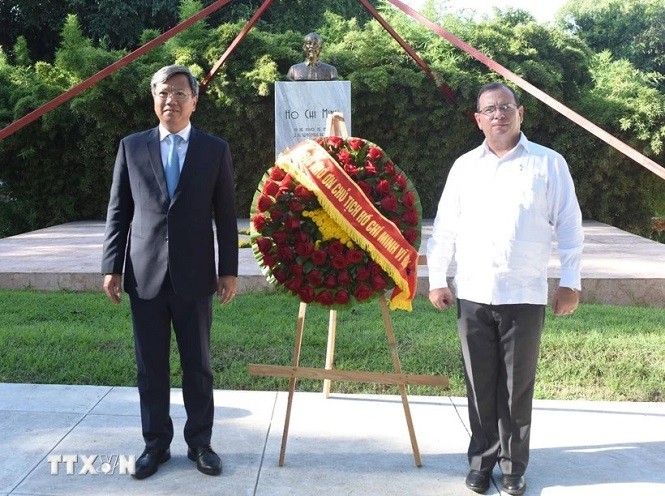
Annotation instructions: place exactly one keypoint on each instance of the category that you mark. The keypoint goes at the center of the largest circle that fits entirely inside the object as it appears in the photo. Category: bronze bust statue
(312, 69)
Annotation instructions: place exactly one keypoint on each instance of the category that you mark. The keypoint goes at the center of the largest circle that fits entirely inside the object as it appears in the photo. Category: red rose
(374, 153)
(269, 260)
(389, 203)
(367, 189)
(370, 168)
(335, 248)
(259, 222)
(354, 256)
(301, 237)
(287, 182)
(319, 257)
(344, 157)
(339, 262)
(280, 276)
(389, 168)
(295, 206)
(350, 169)
(400, 180)
(363, 292)
(363, 273)
(292, 223)
(264, 203)
(306, 294)
(342, 297)
(374, 268)
(325, 298)
(264, 244)
(383, 187)
(409, 199)
(356, 143)
(343, 278)
(280, 237)
(378, 282)
(270, 188)
(304, 249)
(295, 270)
(411, 217)
(277, 174)
(335, 141)
(330, 282)
(293, 284)
(285, 253)
(315, 278)
(276, 215)
(284, 191)
(303, 193)
(410, 235)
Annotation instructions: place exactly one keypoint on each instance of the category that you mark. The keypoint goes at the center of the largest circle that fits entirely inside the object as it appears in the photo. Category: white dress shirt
(497, 217)
(165, 143)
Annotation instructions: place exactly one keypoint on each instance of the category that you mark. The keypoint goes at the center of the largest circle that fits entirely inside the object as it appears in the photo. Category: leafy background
(604, 59)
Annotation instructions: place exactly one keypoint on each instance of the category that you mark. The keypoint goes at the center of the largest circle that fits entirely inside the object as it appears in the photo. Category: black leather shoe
(206, 460)
(513, 484)
(478, 481)
(149, 461)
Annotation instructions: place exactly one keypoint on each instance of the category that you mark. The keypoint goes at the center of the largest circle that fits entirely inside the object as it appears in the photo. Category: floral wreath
(300, 248)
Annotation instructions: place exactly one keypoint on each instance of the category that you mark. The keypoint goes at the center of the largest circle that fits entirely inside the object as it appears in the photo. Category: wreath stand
(336, 126)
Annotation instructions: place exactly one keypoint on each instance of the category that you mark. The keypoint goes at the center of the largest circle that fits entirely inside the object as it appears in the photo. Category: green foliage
(58, 168)
(612, 188)
(21, 52)
(630, 29)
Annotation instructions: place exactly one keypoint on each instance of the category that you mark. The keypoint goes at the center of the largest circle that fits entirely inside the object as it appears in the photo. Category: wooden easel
(336, 127)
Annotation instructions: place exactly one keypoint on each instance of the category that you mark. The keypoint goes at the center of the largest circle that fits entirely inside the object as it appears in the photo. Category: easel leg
(330, 349)
(292, 381)
(397, 366)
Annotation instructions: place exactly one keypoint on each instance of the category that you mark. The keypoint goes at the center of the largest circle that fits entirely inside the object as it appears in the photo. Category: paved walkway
(343, 445)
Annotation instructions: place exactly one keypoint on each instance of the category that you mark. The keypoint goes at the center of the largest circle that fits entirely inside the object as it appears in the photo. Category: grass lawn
(600, 353)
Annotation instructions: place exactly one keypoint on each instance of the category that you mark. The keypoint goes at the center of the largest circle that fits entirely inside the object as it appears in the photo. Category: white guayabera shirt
(497, 218)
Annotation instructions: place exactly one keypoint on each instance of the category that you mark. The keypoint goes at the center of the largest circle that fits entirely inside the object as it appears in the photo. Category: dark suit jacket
(148, 234)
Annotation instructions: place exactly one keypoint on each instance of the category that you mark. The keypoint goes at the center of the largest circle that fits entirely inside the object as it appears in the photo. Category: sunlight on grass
(601, 353)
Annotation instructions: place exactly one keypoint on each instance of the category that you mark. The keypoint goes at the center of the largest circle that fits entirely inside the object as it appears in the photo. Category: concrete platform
(343, 445)
(619, 268)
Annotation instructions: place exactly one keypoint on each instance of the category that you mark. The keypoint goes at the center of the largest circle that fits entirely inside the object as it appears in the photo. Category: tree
(38, 22)
(119, 25)
(630, 29)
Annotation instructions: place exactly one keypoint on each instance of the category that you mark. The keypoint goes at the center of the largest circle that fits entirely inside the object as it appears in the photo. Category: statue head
(312, 69)
(312, 46)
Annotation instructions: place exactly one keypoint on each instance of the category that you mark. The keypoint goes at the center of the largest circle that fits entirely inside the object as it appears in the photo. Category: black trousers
(192, 321)
(500, 346)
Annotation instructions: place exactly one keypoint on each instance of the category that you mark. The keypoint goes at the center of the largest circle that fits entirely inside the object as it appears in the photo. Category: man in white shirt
(500, 207)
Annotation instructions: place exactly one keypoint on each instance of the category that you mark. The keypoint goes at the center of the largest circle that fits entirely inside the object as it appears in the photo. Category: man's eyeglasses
(179, 96)
(504, 109)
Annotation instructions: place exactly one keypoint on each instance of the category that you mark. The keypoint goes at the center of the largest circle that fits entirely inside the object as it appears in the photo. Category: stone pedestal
(302, 107)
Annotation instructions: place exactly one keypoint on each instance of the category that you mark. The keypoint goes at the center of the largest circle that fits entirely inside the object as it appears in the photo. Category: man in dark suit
(159, 229)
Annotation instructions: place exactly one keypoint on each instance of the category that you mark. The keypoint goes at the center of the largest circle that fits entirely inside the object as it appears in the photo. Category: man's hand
(226, 288)
(441, 298)
(565, 301)
(113, 287)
